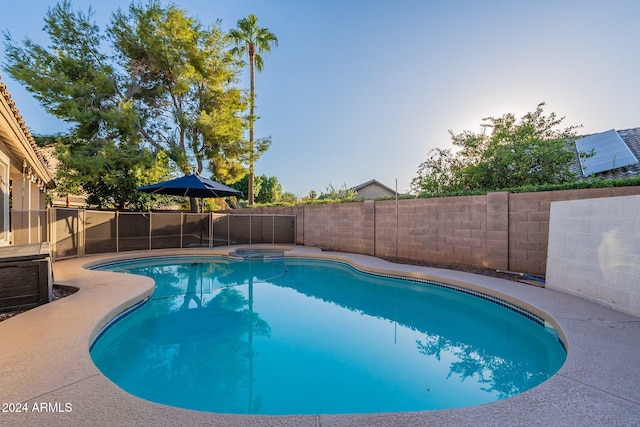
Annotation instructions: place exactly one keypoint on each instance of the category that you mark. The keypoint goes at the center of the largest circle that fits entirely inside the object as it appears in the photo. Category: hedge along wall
(502, 231)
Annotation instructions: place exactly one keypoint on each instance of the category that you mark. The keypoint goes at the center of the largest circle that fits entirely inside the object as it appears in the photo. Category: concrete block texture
(594, 250)
(504, 230)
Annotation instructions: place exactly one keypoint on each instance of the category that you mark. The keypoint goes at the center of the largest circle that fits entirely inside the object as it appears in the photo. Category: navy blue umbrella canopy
(191, 186)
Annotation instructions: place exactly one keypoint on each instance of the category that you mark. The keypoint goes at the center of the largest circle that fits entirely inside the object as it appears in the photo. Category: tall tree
(168, 86)
(252, 40)
(507, 153)
(107, 172)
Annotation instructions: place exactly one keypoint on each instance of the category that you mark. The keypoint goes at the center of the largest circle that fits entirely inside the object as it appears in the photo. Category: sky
(363, 89)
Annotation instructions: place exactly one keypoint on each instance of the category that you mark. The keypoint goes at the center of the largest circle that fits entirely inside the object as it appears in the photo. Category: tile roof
(42, 167)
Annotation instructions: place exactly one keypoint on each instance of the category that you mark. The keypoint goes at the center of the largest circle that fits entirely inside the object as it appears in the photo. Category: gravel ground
(56, 294)
(460, 267)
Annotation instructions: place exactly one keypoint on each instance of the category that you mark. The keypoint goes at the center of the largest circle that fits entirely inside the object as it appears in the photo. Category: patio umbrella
(191, 186)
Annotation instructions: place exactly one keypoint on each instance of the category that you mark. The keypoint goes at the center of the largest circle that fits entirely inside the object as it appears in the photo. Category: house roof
(631, 138)
(16, 135)
(373, 182)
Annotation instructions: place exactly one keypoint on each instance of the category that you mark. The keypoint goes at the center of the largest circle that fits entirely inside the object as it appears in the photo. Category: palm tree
(253, 40)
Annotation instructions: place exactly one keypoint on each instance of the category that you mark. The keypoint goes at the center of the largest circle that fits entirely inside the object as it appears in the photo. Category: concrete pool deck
(47, 373)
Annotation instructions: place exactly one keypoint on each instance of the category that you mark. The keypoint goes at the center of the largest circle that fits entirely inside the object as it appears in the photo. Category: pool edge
(591, 387)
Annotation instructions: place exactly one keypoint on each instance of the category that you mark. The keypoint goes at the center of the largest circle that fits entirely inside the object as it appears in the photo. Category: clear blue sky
(363, 89)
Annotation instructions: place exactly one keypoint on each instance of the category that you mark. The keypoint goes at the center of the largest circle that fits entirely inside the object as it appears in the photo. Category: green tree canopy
(243, 185)
(166, 85)
(506, 153)
(267, 189)
(109, 173)
(270, 190)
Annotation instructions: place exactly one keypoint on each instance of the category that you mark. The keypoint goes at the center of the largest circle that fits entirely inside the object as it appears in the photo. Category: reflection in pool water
(297, 336)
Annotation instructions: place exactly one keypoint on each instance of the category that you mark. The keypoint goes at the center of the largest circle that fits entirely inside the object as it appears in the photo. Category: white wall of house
(594, 251)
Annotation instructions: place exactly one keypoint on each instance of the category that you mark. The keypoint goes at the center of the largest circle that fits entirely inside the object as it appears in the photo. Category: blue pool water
(301, 336)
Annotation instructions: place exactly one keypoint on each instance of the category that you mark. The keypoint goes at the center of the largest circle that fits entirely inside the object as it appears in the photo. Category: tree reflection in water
(467, 330)
(195, 343)
(505, 377)
(163, 340)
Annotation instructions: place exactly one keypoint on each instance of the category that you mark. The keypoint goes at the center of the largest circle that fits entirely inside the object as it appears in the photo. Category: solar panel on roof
(610, 150)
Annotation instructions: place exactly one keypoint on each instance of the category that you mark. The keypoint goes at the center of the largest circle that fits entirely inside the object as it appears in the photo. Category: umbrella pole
(201, 224)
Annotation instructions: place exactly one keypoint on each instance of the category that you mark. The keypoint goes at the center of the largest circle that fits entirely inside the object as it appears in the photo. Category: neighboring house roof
(373, 189)
(18, 139)
(69, 202)
(631, 140)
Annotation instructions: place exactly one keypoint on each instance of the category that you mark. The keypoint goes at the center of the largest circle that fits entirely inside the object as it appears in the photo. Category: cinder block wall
(594, 251)
(439, 230)
(503, 231)
(345, 227)
(529, 223)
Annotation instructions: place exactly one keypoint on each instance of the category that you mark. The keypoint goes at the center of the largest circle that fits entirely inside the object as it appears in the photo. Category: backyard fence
(79, 232)
(501, 230)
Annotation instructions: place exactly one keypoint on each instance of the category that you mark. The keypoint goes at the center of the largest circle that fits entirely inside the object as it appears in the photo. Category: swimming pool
(302, 336)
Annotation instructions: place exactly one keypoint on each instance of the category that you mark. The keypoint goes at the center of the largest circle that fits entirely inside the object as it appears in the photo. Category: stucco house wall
(23, 177)
(373, 190)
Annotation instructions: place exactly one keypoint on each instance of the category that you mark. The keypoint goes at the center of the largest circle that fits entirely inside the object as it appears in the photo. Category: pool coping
(45, 364)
